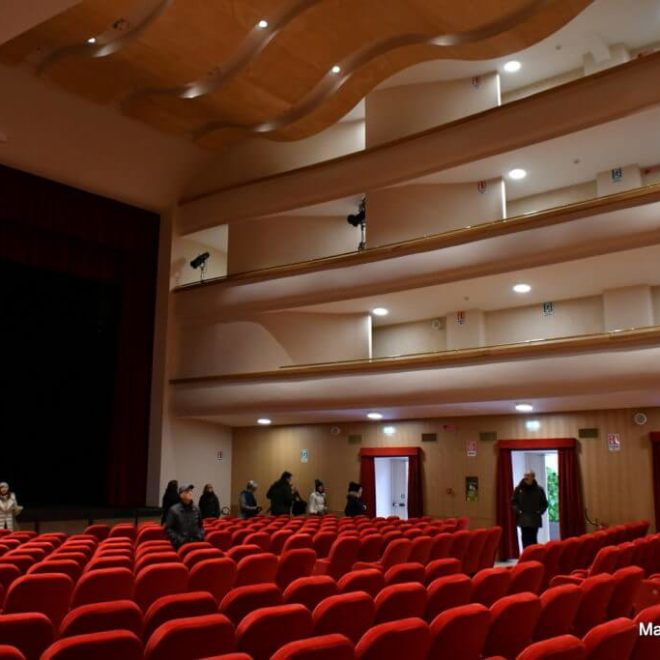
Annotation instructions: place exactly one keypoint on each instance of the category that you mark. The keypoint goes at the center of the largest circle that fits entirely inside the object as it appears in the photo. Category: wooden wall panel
(617, 486)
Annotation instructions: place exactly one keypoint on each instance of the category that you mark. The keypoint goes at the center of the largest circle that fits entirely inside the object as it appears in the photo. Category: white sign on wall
(304, 455)
(613, 442)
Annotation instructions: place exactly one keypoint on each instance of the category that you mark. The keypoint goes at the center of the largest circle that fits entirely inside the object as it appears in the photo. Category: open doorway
(544, 463)
(391, 475)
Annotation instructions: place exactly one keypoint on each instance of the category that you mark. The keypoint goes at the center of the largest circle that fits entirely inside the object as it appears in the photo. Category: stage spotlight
(200, 262)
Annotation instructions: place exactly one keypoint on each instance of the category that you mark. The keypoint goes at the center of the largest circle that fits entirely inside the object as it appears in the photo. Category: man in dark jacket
(354, 504)
(529, 504)
(184, 520)
(280, 495)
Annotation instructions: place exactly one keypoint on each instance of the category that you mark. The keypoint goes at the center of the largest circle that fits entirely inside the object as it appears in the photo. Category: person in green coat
(280, 495)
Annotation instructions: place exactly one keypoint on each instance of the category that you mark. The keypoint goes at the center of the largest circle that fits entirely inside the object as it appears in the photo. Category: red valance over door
(368, 476)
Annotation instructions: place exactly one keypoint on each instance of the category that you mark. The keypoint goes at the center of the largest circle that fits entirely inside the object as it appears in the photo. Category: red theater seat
(178, 606)
(294, 564)
(513, 619)
(627, 582)
(219, 539)
(188, 548)
(155, 558)
(238, 552)
(527, 576)
(489, 585)
(103, 585)
(111, 645)
(613, 640)
(474, 550)
(420, 550)
(407, 638)
(647, 646)
(447, 592)
(12, 653)
(191, 638)
(100, 617)
(242, 600)
(564, 647)
(341, 558)
(263, 632)
(31, 633)
(406, 572)
(460, 633)
(326, 647)
(255, 569)
(193, 558)
(217, 576)
(370, 580)
(350, 614)
(159, 580)
(596, 595)
(559, 606)
(310, 591)
(400, 601)
(49, 594)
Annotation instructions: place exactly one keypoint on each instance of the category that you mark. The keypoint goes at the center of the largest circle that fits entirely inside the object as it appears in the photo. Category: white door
(399, 487)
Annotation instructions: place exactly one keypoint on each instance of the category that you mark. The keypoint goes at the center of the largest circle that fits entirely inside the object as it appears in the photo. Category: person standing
(184, 520)
(354, 504)
(280, 495)
(209, 504)
(9, 508)
(247, 500)
(317, 502)
(170, 498)
(529, 504)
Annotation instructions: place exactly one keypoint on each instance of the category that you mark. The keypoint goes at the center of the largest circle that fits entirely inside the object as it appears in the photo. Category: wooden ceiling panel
(273, 82)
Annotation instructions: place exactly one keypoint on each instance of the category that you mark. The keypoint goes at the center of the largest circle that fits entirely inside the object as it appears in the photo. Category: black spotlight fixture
(359, 219)
(200, 262)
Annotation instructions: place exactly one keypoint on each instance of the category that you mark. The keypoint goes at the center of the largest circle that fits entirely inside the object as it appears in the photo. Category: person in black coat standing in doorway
(529, 504)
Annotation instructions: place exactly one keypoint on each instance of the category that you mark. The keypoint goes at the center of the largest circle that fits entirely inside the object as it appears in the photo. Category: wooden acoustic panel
(206, 70)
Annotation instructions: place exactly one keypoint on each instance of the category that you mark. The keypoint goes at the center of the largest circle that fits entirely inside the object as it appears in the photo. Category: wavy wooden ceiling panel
(204, 69)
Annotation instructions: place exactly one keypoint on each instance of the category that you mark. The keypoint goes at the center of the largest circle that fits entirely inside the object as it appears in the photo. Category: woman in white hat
(9, 508)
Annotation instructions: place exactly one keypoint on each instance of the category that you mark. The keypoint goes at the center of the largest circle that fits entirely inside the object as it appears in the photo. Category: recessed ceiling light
(336, 69)
(524, 407)
(264, 421)
(389, 430)
(521, 287)
(262, 24)
(374, 415)
(91, 40)
(512, 66)
(532, 425)
(380, 311)
(517, 173)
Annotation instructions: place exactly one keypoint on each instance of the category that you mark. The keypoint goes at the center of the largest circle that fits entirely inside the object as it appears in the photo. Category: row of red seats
(336, 629)
(578, 552)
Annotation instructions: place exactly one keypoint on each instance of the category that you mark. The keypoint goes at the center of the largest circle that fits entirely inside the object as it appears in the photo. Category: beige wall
(570, 317)
(409, 338)
(259, 157)
(551, 199)
(628, 307)
(413, 211)
(394, 112)
(617, 486)
(288, 239)
(269, 341)
(190, 454)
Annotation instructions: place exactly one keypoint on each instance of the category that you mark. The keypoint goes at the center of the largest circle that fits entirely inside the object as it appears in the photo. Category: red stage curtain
(655, 443)
(571, 505)
(368, 481)
(415, 493)
(505, 516)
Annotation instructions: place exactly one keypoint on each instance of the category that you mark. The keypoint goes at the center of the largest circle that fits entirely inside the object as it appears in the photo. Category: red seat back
(294, 564)
(370, 580)
(400, 601)
(325, 647)
(255, 569)
(310, 591)
(564, 647)
(513, 619)
(611, 640)
(460, 632)
(475, 546)
(647, 646)
(191, 637)
(420, 550)
(108, 645)
(406, 572)
(350, 614)
(263, 632)
(558, 608)
(447, 592)
(596, 594)
(99, 617)
(177, 606)
(159, 580)
(397, 552)
(31, 633)
(103, 585)
(370, 547)
(242, 600)
(627, 582)
(441, 567)
(407, 638)
(217, 576)
(47, 593)
(489, 585)
(527, 576)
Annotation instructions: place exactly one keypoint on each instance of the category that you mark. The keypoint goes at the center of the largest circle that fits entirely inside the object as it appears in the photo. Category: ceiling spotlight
(262, 24)
(336, 69)
(512, 66)
(380, 311)
(532, 425)
(91, 40)
(521, 287)
(524, 407)
(389, 430)
(516, 174)
(374, 415)
(264, 421)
